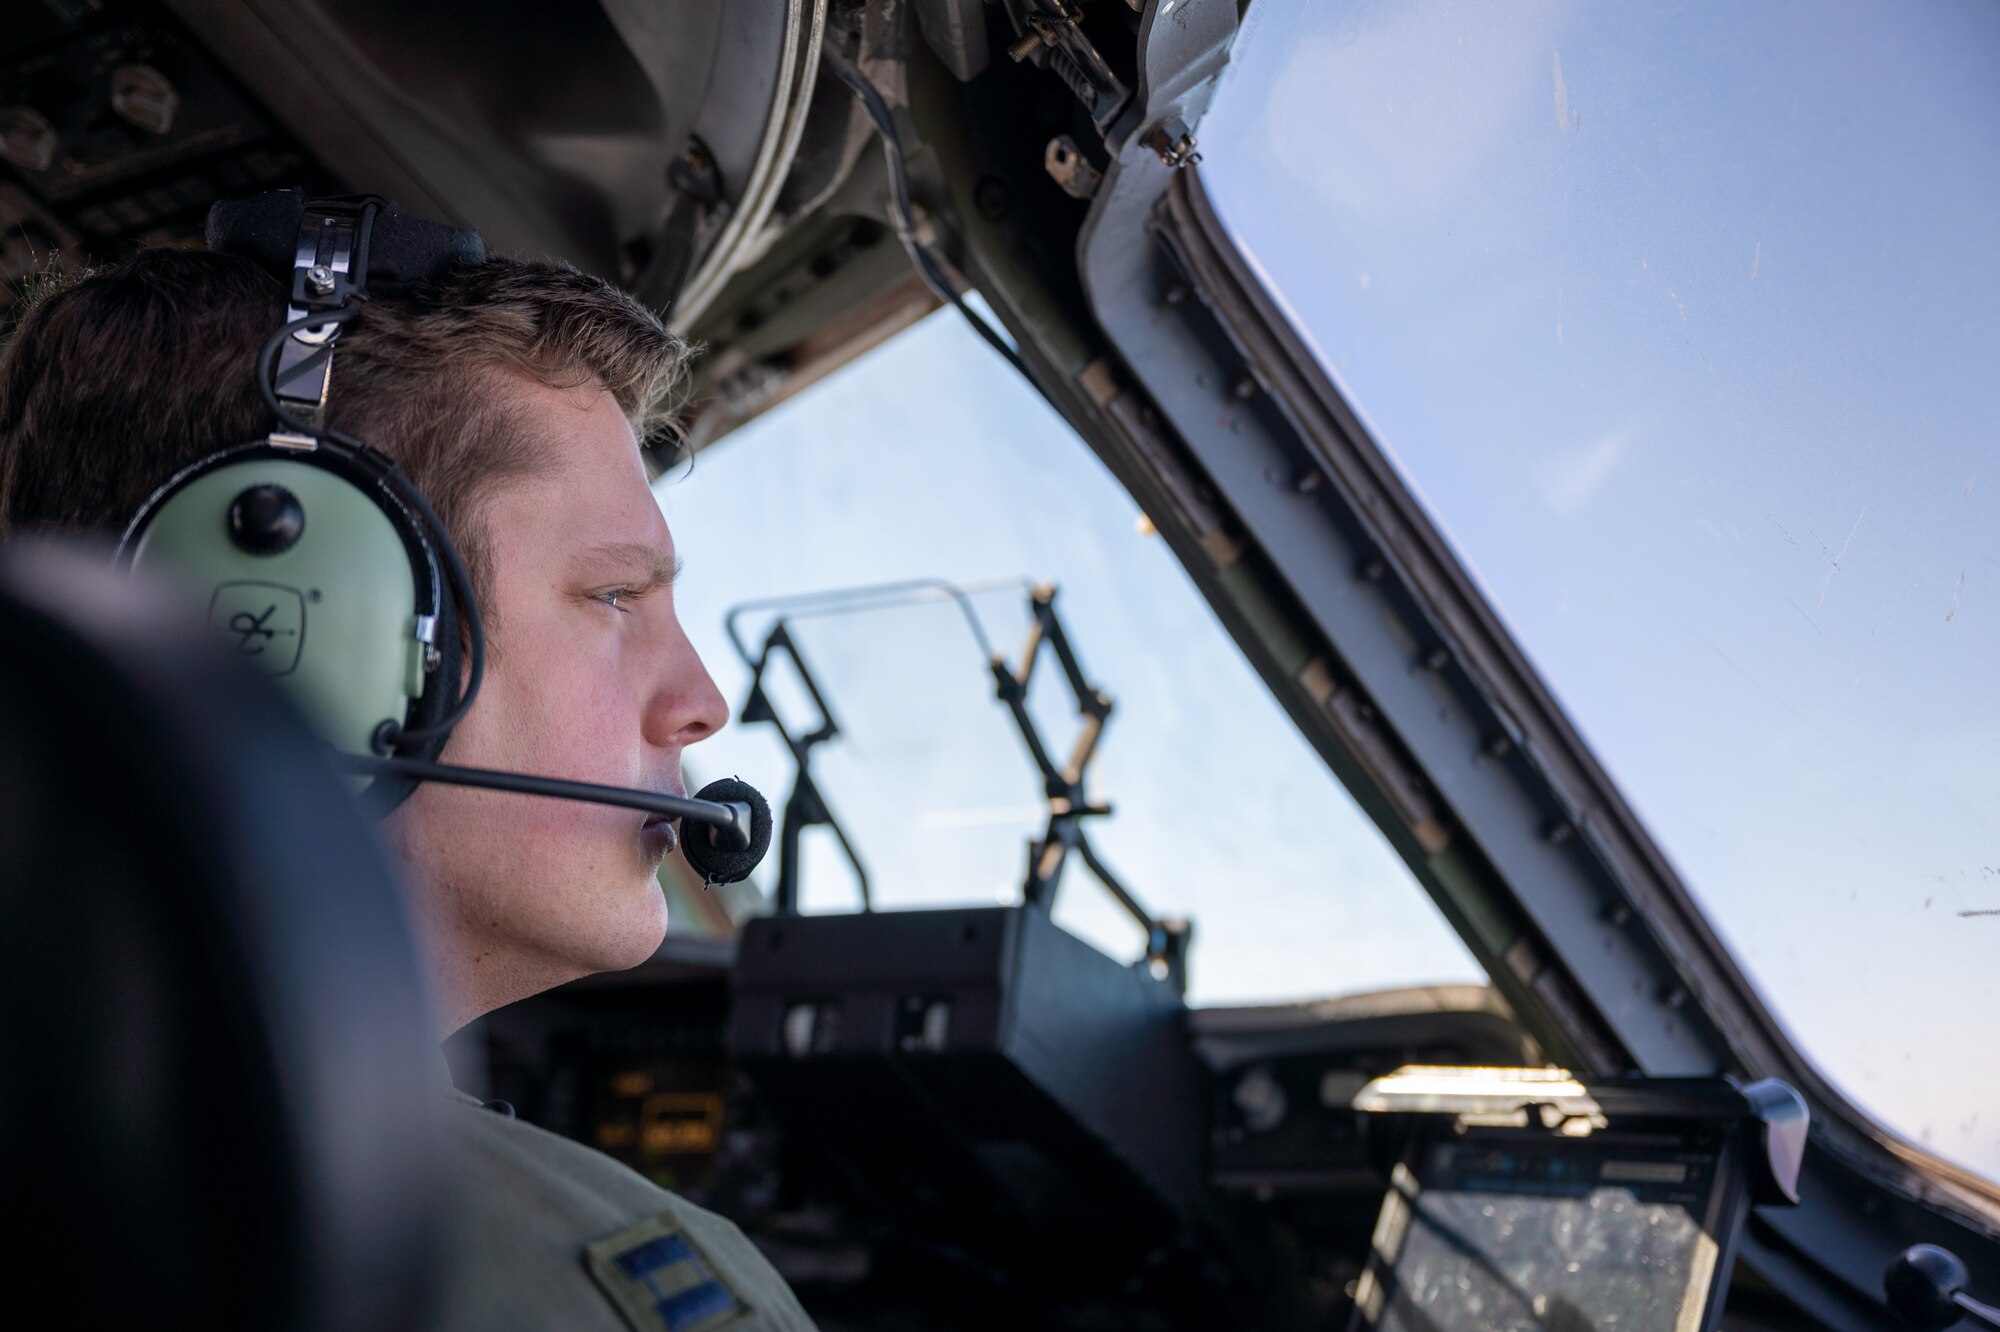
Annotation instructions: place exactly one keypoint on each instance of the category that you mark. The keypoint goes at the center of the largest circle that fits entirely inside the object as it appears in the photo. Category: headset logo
(265, 621)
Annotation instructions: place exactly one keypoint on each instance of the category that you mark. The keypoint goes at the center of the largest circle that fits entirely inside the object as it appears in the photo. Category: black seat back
(216, 1094)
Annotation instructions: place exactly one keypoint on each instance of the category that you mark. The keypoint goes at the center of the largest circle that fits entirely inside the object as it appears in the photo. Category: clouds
(1426, 99)
(1567, 480)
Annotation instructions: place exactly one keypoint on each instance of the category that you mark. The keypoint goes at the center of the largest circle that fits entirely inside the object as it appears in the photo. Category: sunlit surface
(929, 459)
(1683, 322)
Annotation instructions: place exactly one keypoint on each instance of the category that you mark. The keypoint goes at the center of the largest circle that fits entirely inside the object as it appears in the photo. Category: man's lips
(657, 835)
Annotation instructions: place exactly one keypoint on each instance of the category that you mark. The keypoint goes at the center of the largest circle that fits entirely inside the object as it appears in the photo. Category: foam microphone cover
(698, 839)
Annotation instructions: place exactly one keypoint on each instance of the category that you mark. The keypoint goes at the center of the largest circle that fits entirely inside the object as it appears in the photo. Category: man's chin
(643, 937)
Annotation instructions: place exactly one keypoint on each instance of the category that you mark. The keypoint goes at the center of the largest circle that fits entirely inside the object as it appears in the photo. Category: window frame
(1163, 357)
(1197, 394)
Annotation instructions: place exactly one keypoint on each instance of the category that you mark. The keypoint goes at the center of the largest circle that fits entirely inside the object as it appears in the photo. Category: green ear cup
(327, 605)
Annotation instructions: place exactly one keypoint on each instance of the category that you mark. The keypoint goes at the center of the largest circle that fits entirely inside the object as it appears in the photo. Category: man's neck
(472, 971)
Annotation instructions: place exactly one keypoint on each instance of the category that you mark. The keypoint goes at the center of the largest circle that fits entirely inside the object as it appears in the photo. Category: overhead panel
(553, 129)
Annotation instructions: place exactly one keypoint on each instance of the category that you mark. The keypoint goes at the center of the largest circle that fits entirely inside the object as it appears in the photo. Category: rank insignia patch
(660, 1281)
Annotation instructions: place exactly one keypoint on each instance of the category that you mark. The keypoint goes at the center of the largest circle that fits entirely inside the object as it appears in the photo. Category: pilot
(513, 395)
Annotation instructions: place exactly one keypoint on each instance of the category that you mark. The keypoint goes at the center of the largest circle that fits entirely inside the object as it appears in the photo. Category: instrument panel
(969, 1118)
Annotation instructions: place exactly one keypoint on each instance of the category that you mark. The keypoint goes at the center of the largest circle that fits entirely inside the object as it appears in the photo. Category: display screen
(1542, 1237)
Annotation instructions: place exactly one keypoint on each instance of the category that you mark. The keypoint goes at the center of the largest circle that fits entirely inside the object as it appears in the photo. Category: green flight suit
(552, 1235)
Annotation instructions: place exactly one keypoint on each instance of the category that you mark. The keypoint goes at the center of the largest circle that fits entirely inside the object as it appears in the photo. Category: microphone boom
(732, 823)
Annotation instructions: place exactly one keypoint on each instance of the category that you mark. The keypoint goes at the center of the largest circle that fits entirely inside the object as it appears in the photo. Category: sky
(1682, 322)
(929, 458)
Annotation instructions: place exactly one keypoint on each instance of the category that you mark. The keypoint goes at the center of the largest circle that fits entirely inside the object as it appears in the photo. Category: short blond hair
(113, 382)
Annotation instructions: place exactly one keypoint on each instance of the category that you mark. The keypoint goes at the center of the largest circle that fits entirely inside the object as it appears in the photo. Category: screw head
(319, 279)
(993, 199)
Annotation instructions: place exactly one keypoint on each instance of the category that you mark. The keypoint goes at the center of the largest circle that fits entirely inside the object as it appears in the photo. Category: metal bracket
(328, 273)
(1051, 35)
(1167, 940)
(1173, 142)
(805, 807)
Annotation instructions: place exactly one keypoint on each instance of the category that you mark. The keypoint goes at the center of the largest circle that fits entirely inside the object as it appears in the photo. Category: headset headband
(332, 249)
(399, 251)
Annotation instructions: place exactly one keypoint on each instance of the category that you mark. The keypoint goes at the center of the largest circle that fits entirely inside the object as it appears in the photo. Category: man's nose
(686, 705)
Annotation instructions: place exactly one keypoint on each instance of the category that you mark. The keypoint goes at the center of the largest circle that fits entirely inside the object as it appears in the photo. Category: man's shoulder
(512, 1157)
(553, 1233)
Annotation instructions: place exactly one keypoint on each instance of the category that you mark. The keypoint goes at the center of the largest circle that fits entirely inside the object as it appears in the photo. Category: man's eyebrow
(659, 570)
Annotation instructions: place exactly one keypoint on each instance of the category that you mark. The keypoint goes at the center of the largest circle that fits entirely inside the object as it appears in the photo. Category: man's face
(589, 677)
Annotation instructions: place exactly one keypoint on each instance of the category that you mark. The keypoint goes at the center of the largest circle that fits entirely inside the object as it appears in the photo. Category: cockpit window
(929, 458)
(1683, 323)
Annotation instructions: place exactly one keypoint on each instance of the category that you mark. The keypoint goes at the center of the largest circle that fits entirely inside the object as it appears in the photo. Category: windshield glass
(929, 458)
(1683, 324)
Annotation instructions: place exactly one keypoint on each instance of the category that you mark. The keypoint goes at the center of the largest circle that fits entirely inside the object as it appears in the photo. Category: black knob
(266, 520)
(1923, 1286)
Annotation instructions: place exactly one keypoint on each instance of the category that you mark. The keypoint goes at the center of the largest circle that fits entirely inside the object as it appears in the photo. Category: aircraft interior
(1229, 863)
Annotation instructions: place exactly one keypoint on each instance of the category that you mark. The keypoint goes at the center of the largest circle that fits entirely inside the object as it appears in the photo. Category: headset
(329, 570)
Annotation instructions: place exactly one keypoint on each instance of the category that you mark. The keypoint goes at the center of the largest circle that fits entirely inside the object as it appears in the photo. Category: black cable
(267, 362)
(928, 265)
(468, 605)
